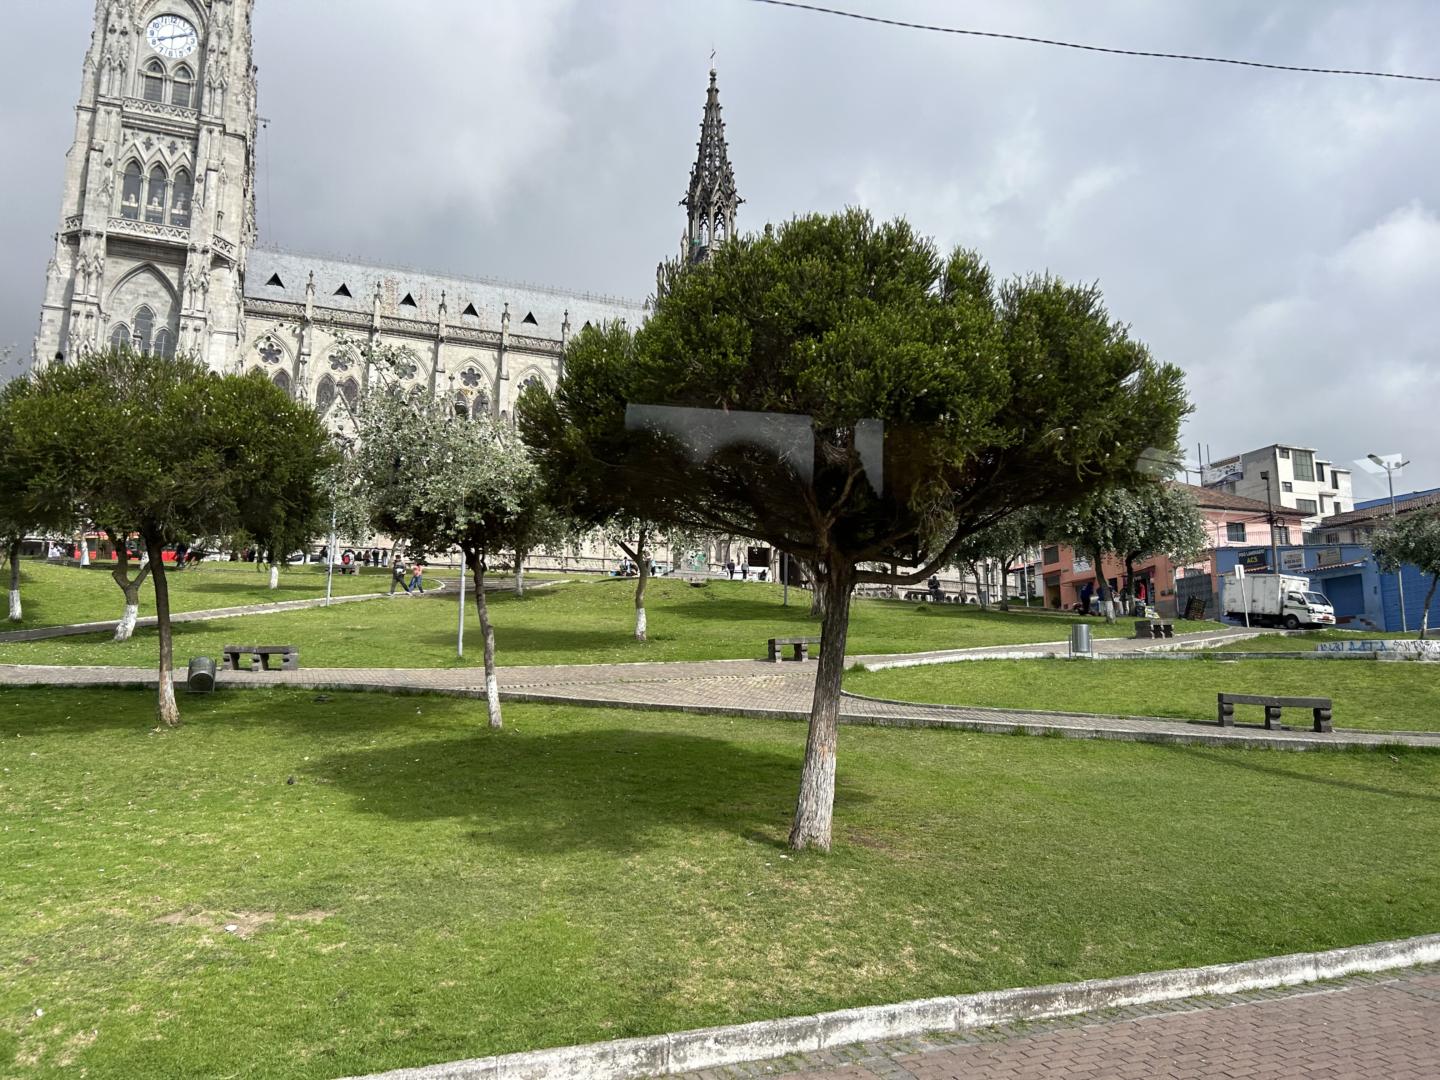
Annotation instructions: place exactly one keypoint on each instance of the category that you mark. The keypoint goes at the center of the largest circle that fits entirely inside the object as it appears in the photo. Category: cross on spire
(712, 199)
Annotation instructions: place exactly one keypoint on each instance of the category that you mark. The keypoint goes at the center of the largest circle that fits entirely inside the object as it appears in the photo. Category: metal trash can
(1080, 640)
(201, 676)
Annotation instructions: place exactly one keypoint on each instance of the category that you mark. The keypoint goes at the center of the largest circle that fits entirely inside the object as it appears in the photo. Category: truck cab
(1305, 608)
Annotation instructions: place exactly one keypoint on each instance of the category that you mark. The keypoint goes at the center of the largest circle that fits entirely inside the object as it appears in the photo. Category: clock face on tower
(172, 36)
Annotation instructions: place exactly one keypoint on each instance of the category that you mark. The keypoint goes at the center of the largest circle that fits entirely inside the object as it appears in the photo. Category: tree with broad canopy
(839, 390)
(1412, 538)
(440, 482)
(161, 448)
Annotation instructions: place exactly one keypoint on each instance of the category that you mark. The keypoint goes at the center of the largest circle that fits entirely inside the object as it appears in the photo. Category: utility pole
(1270, 515)
(1390, 470)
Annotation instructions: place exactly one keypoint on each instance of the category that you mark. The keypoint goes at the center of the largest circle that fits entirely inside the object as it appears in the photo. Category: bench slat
(1278, 702)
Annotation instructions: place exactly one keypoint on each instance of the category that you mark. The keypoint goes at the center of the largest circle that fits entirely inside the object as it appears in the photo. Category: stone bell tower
(158, 211)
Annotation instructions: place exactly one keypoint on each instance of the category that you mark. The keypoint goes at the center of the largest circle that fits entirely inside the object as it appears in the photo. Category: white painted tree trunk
(487, 635)
(15, 612)
(127, 622)
(84, 551)
(815, 807)
(13, 555)
(640, 628)
(274, 576)
(492, 698)
(519, 575)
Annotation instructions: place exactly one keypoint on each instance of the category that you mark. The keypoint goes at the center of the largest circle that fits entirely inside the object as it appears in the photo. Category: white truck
(1276, 600)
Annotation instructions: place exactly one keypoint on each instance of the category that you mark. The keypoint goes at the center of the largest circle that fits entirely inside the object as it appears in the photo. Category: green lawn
(1306, 642)
(54, 595)
(590, 621)
(1367, 694)
(427, 890)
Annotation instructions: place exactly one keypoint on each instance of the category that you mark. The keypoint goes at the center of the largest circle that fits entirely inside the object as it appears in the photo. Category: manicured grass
(54, 595)
(427, 890)
(1367, 694)
(1306, 642)
(582, 622)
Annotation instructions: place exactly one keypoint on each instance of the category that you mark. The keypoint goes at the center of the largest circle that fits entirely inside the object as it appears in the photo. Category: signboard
(1424, 650)
(1256, 561)
(1292, 562)
(1329, 556)
(1081, 565)
(1221, 473)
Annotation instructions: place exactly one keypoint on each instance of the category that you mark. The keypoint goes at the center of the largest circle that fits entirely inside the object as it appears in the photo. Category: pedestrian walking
(417, 579)
(397, 576)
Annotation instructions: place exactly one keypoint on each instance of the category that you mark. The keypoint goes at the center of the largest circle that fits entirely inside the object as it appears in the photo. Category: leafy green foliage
(1136, 524)
(1414, 539)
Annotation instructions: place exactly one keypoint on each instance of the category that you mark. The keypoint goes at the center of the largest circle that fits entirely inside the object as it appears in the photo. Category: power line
(818, 10)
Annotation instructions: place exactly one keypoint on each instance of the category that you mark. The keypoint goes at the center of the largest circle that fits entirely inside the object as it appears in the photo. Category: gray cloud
(1273, 234)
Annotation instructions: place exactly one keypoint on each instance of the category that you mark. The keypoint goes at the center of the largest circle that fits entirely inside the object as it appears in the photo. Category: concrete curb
(709, 1048)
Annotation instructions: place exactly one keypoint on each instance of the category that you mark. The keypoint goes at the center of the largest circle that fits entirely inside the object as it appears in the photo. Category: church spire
(712, 199)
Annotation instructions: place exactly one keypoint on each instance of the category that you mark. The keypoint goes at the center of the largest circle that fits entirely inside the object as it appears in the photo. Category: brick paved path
(1370, 1027)
(728, 687)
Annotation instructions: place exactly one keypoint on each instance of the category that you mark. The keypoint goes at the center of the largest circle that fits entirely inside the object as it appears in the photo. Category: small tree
(578, 441)
(1412, 539)
(15, 513)
(838, 390)
(1005, 543)
(161, 448)
(1133, 524)
(441, 482)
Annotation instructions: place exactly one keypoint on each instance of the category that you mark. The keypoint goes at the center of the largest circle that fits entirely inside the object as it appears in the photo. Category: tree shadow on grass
(1240, 759)
(612, 790)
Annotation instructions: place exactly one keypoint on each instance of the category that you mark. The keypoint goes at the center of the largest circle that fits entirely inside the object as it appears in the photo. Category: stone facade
(158, 211)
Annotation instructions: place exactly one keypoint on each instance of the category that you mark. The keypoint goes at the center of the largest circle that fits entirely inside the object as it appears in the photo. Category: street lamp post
(1390, 469)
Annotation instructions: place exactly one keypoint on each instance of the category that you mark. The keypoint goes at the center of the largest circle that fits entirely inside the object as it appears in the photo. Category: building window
(282, 380)
(130, 191)
(183, 88)
(1284, 453)
(1286, 485)
(156, 196)
(462, 407)
(1282, 534)
(164, 343)
(350, 391)
(181, 192)
(1319, 473)
(144, 329)
(481, 406)
(1306, 506)
(152, 82)
(1048, 556)
(1332, 538)
(1304, 465)
(1235, 530)
(324, 394)
(120, 337)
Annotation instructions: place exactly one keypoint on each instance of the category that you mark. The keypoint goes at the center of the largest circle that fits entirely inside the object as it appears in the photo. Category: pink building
(1230, 521)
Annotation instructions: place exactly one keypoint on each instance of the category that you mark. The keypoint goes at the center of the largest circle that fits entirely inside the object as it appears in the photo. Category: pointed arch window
(350, 391)
(282, 380)
(120, 336)
(132, 191)
(156, 196)
(481, 406)
(462, 407)
(164, 343)
(182, 90)
(152, 82)
(324, 395)
(144, 330)
(182, 191)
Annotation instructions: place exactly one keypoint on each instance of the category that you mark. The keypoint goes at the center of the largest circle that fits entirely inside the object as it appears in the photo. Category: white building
(1293, 477)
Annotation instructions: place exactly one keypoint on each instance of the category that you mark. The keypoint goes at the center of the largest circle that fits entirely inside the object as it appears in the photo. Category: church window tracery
(481, 406)
(182, 191)
(282, 380)
(131, 191)
(156, 196)
(120, 336)
(350, 391)
(324, 394)
(144, 329)
(152, 82)
(270, 353)
(470, 377)
(164, 343)
(182, 90)
(340, 361)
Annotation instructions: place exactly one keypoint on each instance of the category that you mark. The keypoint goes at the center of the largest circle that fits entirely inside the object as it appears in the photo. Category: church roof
(535, 310)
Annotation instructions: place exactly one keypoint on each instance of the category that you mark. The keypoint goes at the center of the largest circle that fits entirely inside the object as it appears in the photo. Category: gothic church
(157, 242)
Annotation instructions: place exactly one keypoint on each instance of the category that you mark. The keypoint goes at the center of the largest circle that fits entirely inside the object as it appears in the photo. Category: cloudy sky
(1277, 235)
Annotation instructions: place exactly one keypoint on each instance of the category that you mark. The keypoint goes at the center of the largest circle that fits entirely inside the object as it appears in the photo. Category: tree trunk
(1425, 612)
(980, 590)
(166, 711)
(642, 564)
(815, 806)
(274, 576)
(487, 634)
(1005, 565)
(1107, 598)
(817, 595)
(13, 554)
(519, 573)
(128, 587)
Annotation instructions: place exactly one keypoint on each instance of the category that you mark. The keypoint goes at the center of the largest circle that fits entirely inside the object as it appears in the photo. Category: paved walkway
(727, 687)
(1369, 1027)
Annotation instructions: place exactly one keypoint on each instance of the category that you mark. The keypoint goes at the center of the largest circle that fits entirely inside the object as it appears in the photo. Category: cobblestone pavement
(729, 687)
(1369, 1027)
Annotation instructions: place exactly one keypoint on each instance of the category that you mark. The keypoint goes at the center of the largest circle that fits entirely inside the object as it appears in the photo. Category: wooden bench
(1319, 708)
(260, 657)
(801, 644)
(1150, 628)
